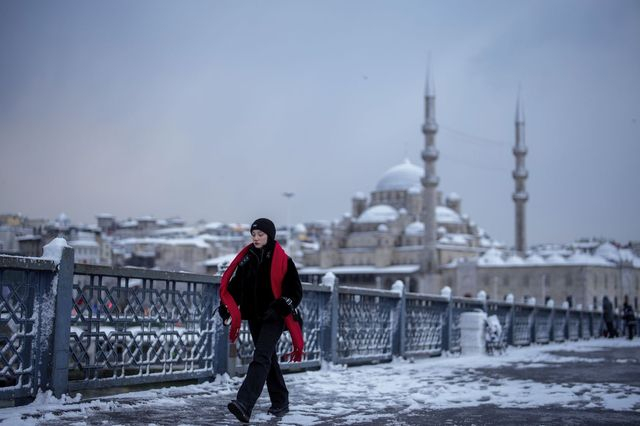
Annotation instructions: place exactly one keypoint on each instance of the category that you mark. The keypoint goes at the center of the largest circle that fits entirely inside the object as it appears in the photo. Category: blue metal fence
(68, 327)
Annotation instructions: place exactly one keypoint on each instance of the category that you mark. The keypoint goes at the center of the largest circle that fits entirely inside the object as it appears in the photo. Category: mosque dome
(447, 215)
(378, 214)
(414, 229)
(401, 177)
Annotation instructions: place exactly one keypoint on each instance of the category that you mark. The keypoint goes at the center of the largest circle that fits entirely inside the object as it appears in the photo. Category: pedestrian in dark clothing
(607, 316)
(629, 318)
(262, 286)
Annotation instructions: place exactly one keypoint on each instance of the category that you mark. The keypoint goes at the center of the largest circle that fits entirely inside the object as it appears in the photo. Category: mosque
(407, 230)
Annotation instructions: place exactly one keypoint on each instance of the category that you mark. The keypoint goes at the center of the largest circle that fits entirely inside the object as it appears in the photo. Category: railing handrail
(344, 289)
(33, 263)
(142, 273)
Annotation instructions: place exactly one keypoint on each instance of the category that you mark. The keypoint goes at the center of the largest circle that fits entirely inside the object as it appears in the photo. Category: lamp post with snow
(288, 195)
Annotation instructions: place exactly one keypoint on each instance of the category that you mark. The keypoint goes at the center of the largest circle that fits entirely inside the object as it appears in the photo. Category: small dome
(534, 259)
(491, 257)
(514, 260)
(414, 229)
(556, 258)
(609, 252)
(359, 196)
(446, 215)
(453, 196)
(401, 177)
(378, 214)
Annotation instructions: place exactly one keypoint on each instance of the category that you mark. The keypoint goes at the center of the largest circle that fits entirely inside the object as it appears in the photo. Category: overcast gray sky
(212, 109)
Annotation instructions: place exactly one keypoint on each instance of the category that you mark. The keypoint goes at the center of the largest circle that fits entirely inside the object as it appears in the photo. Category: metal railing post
(447, 326)
(62, 321)
(220, 342)
(335, 312)
(512, 323)
(328, 320)
(399, 331)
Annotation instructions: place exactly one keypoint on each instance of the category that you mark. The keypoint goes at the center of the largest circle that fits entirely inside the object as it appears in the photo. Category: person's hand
(224, 313)
(234, 330)
(283, 306)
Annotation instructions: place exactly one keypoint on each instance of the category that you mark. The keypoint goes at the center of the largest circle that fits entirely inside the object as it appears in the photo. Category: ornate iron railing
(132, 326)
(26, 319)
(66, 326)
(573, 325)
(523, 320)
(425, 320)
(543, 325)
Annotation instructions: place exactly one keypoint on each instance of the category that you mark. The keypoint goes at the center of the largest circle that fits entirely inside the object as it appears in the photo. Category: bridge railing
(68, 327)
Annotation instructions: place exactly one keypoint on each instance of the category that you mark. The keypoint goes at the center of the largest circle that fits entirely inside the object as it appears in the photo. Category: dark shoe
(239, 411)
(278, 412)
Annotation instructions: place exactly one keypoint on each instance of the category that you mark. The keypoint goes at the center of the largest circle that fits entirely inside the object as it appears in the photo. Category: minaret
(430, 181)
(520, 175)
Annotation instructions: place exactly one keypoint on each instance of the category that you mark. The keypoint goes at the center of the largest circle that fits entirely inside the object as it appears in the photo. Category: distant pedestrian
(262, 286)
(629, 318)
(607, 316)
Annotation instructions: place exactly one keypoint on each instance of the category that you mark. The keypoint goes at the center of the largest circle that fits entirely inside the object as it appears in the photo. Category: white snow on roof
(534, 259)
(197, 241)
(491, 257)
(555, 259)
(446, 215)
(456, 239)
(514, 260)
(401, 177)
(613, 254)
(587, 259)
(378, 214)
(414, 229)
(453, 196)
(626, 255)
(175, 230)
(359, 195)
(486, 242)
(216, 261)
(213, 225)
(364, 269)
(83, 243)
(608, 251)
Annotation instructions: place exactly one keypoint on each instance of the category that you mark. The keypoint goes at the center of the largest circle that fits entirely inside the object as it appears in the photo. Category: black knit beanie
(266, 226)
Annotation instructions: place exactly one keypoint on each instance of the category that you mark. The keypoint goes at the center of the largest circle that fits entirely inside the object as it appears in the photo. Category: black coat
(250, 285)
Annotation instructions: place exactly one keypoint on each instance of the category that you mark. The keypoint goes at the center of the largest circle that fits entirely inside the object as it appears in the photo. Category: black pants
(631, 327)
(264, 367)
(611, 330)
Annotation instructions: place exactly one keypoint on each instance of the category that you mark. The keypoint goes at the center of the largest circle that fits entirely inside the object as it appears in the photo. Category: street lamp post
(288, 195)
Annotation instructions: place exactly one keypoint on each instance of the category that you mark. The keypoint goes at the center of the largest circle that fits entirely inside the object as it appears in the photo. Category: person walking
(629, 318)
(262, 286)
(607, 316)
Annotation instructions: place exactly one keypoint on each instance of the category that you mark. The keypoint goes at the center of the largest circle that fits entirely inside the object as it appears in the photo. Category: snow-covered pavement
(584, 382)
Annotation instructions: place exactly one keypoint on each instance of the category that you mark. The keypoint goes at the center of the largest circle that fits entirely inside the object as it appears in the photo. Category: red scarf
(278, 270)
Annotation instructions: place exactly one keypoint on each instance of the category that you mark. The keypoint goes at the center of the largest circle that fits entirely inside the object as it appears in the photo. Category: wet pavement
(588, 375)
